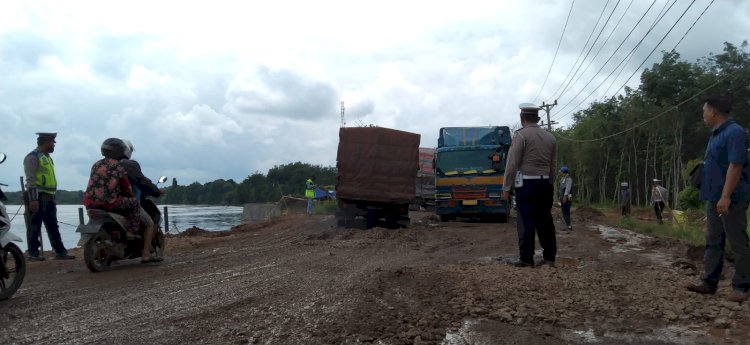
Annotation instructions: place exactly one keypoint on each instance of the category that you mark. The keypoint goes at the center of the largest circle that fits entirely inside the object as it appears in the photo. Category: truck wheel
(445, 218)
(502, 218)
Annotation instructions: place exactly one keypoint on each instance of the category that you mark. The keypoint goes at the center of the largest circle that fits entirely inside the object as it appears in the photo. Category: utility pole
(546, 108)
(343, 121)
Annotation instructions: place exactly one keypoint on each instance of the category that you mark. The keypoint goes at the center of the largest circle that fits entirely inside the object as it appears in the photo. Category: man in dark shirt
(726, 190)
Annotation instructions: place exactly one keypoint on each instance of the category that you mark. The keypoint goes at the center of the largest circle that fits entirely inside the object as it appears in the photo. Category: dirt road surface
(301, 280)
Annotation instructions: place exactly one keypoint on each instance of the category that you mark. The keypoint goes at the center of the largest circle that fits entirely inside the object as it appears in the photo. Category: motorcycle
(104, 238)
(12, 260)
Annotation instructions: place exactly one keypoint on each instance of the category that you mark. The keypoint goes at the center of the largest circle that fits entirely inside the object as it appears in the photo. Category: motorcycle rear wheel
(95, 254)
(15, 264)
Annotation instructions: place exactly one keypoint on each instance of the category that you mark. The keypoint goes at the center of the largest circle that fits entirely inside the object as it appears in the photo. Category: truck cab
(469, 169)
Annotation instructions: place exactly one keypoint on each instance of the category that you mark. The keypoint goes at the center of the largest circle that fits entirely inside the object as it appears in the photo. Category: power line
(691, 26)
(630, 56)
(632, 51)
(590, 48)
(605, 43)
(584, 47)
(651, 118)
(657, 46)
(556, 50)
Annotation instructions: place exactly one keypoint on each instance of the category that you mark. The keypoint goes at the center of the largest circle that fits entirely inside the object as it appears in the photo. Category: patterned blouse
(108, 184)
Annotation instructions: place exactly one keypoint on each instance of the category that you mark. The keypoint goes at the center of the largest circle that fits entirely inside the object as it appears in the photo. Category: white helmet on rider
(130, 149)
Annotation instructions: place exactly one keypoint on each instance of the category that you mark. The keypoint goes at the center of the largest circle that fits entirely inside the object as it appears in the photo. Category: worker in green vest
(41, 186)
(310, 193)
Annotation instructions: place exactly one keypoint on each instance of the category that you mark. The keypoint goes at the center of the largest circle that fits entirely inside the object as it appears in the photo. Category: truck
(469, 169)
(426, 179)
(376, 181)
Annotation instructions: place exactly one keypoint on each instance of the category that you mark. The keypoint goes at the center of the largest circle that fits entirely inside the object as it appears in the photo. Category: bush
(689, 198)
(325, 207)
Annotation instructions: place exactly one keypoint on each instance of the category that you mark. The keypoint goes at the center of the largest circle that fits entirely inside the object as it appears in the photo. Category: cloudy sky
(218, 89)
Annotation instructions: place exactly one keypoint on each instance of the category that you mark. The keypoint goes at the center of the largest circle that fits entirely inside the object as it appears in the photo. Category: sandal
(152, 259)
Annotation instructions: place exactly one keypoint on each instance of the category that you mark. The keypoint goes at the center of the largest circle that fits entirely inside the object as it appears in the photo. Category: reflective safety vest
(45, 175)
(309, 189)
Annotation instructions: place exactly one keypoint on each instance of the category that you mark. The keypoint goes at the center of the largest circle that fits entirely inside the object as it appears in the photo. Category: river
(181, 217)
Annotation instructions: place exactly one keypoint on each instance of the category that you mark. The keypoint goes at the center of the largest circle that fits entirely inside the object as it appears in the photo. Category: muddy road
(301, 280)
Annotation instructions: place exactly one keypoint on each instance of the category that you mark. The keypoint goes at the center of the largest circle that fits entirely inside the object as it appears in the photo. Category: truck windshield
(469, 162)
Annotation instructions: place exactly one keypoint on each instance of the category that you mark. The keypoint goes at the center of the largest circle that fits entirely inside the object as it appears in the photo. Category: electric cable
(584, 47)
(625, 59)
(556, 50)
(591, 62)
(623, 66)
(589, 52)
(651, 118)
(632, 51)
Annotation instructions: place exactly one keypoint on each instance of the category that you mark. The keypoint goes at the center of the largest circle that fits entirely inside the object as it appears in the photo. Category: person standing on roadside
(310, 194)
(625, 198)
(566, 196)
(659, 195)
(41, 186)
(725, 187)
(530, 168)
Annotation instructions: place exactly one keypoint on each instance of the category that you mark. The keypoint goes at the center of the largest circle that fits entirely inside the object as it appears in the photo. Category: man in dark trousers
(625, 198)
(41, 186)
(726, 189)
(530, 168)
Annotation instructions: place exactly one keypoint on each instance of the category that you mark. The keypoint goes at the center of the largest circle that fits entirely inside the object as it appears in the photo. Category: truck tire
(445, 218)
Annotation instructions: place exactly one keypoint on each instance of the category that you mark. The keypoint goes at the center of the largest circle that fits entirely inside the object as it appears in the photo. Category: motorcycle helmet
(130, 149)
(113, 148)
(564, 169)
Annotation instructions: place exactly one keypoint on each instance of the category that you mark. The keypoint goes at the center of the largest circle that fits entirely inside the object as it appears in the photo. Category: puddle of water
(627, 241)
(669, 335)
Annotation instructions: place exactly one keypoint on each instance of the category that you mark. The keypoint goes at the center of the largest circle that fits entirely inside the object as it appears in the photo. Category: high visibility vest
(45, 175)
(309, 190)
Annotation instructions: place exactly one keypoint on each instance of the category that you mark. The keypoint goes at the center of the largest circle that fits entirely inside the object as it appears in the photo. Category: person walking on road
(725, 187)
(41, 186)
(530, 168)
(625, 198)
(310, 194)
(659, 195)
(566, 196)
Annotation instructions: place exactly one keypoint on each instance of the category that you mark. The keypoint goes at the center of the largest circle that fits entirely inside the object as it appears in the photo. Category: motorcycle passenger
(110, 190)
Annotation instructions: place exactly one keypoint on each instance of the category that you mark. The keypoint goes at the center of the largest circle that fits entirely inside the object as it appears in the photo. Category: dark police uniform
(531, 159)
(41, 185)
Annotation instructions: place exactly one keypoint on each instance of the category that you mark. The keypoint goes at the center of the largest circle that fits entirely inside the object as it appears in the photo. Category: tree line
(666, 147)
(285, 179)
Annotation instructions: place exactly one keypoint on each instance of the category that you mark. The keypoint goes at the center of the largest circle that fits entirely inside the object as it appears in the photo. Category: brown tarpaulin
(377, 164)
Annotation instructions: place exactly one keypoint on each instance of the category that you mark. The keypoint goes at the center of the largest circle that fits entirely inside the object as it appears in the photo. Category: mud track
(301, 280)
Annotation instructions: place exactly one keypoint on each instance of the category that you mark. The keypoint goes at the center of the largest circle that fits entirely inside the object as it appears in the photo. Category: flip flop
(152, 259)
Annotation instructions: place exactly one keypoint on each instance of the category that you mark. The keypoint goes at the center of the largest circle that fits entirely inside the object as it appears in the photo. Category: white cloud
(197, 85)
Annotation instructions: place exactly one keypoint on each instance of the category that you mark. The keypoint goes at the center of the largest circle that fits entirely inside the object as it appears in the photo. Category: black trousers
(534, 202)
(47, 215)
(658, 208)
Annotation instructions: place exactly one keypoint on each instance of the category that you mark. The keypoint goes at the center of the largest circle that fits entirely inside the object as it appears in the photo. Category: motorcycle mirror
(162, 179)
(2, 157)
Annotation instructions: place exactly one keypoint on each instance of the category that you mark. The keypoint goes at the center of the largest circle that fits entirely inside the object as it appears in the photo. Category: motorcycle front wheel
(15, 265)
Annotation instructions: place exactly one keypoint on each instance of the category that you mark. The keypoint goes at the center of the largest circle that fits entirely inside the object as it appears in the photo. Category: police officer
(530, 167)
(42, 185)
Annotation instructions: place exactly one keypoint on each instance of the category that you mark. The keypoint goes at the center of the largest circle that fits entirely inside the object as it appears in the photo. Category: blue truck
(469, 168)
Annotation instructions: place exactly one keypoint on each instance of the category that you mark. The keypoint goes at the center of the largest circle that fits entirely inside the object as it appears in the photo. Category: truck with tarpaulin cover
(469, 168)
(377, 171)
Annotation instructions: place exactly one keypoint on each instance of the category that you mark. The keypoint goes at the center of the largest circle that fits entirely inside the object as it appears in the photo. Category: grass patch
(325, 207)
(691, 229)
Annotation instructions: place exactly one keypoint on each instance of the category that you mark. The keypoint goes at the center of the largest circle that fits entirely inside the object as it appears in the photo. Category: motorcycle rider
(109, 189)
(142, 186)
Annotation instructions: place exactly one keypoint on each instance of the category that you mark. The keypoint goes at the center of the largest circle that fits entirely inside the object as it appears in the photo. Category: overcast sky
(221, 89)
